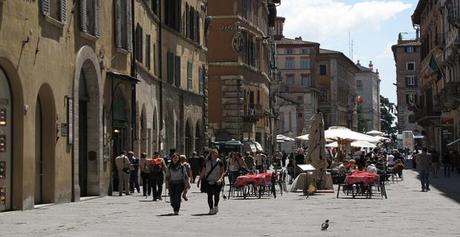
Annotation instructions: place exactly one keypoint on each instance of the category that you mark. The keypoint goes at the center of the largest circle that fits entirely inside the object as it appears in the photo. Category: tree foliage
(388, 116)
(362, 120)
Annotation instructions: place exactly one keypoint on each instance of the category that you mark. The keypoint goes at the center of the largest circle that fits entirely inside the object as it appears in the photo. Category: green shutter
(45, 7)
(63, 9)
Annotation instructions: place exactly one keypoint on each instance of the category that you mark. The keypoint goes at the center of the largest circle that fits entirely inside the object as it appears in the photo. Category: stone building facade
(336, 83)
(406, 54)
(368, 86)
(240, 73)
(427, 19)
(81, 81)
(296, 64)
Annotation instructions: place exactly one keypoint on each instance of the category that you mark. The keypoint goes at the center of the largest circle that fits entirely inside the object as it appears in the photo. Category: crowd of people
(177, 172)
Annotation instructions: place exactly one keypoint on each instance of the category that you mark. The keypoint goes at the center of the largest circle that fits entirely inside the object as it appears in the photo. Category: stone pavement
(406, 212)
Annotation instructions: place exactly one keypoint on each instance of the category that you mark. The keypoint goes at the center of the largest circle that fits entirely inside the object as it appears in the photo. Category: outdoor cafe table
(362, 177)
(257, 179)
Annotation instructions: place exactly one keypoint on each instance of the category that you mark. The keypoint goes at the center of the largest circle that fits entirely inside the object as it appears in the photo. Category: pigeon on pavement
(325, 225)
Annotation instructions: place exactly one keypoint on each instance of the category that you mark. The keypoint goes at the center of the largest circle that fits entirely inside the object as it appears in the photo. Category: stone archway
(87, 144)
(11, 93)
(45, 146)
(6, 127)
(188, 138)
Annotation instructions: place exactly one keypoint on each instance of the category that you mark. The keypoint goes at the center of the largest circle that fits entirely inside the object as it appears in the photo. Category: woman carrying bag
(211, 179)
(176, 181)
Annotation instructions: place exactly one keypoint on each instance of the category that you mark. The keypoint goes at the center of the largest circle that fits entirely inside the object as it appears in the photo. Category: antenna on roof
(350, 46)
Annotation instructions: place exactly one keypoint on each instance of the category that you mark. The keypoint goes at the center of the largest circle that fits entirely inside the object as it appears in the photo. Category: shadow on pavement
(202, 214)
(448, 186)
(169, 214)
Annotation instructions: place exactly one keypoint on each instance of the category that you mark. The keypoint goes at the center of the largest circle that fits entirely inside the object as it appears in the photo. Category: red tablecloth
(257, 179)
(362, 177)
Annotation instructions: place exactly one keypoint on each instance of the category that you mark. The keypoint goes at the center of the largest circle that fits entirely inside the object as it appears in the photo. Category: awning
(123, 77)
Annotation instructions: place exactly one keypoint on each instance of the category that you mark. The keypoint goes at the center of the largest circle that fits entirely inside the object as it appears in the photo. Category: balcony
(253, 114)
(428, 114)
(450, 95)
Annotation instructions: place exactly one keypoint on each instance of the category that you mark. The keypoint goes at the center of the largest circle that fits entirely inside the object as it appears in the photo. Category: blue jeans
(425, 179)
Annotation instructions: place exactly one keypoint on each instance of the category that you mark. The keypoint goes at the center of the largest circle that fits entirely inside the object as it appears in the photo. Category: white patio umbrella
(332, 145)
(303, 137)
(382, 139)
(362, 144)
(284, 138)
(342, 133)
(375, 133)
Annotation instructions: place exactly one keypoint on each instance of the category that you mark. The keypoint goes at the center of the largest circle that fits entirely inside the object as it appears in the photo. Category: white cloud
(326, 18)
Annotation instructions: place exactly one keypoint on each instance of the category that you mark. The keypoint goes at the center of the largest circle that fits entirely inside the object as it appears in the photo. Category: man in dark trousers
(196, 162)
(133, 172)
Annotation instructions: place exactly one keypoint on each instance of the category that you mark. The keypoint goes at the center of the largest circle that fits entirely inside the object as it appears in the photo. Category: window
(409, 49)
(173, 14)
(290, 64)
(89, 16)
(323, 95)
(56, 9)
(290, 79)
(322, 70)
(170, 67)
(359, 84)
(305, 63)
(123, 22)
(148, 56)
(189, 76)
(155, 6)
(411, 81)
(139, 43)
(306, 81)
(246, 8)
(299, 115)
(177, 67)
(289, 51)
(410, 99)
(410, 66)
(306, 51)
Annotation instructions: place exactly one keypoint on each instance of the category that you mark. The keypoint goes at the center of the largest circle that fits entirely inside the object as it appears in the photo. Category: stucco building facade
(368, 87)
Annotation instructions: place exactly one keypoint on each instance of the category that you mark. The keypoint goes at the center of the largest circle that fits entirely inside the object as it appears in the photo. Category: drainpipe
(133, 74)
(160, 52)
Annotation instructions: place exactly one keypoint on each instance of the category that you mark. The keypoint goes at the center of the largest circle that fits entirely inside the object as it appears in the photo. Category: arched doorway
(45, 146)
(188, 138)
(6, 152)
(199, 139)
(88, 130)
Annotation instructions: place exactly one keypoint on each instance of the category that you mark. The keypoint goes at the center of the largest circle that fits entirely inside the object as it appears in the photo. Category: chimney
(298, 38)
(417, 33)
(371, 66)
(279, 25)
(358, 63)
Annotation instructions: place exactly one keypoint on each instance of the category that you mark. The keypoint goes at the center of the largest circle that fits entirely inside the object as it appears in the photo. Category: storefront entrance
(5, 143)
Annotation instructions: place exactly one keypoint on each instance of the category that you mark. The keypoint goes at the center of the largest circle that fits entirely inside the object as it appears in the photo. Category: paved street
(407, 212)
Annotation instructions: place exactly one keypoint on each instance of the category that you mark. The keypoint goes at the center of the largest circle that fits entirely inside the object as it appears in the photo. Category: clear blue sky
(372, 24)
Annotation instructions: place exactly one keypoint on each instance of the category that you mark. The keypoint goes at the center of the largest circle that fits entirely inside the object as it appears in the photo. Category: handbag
(204, 182)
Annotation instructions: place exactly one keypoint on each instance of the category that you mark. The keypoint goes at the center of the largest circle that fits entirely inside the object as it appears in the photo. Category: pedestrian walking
(157, 168)
(235, 166)
(211, 177)
(196, 162)
(435, 161)
(183, 161)
(447, 162)
(122, 163)
(424, 166)
(145, 175)
(176, 181)
(133, 172)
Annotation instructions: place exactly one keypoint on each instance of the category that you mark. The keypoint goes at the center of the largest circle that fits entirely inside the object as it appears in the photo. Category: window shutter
(177, 72)
(170, 66)
(200, 78)
(83, 16)
(96, 17)
(63, 11)
(118, 15)
(45, 7)
(129, 25)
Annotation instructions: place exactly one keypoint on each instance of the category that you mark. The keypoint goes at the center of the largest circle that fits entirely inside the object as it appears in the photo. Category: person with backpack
(145, 175)
(176, 181)
(157, 166)
(211, 179)
(183, 161)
